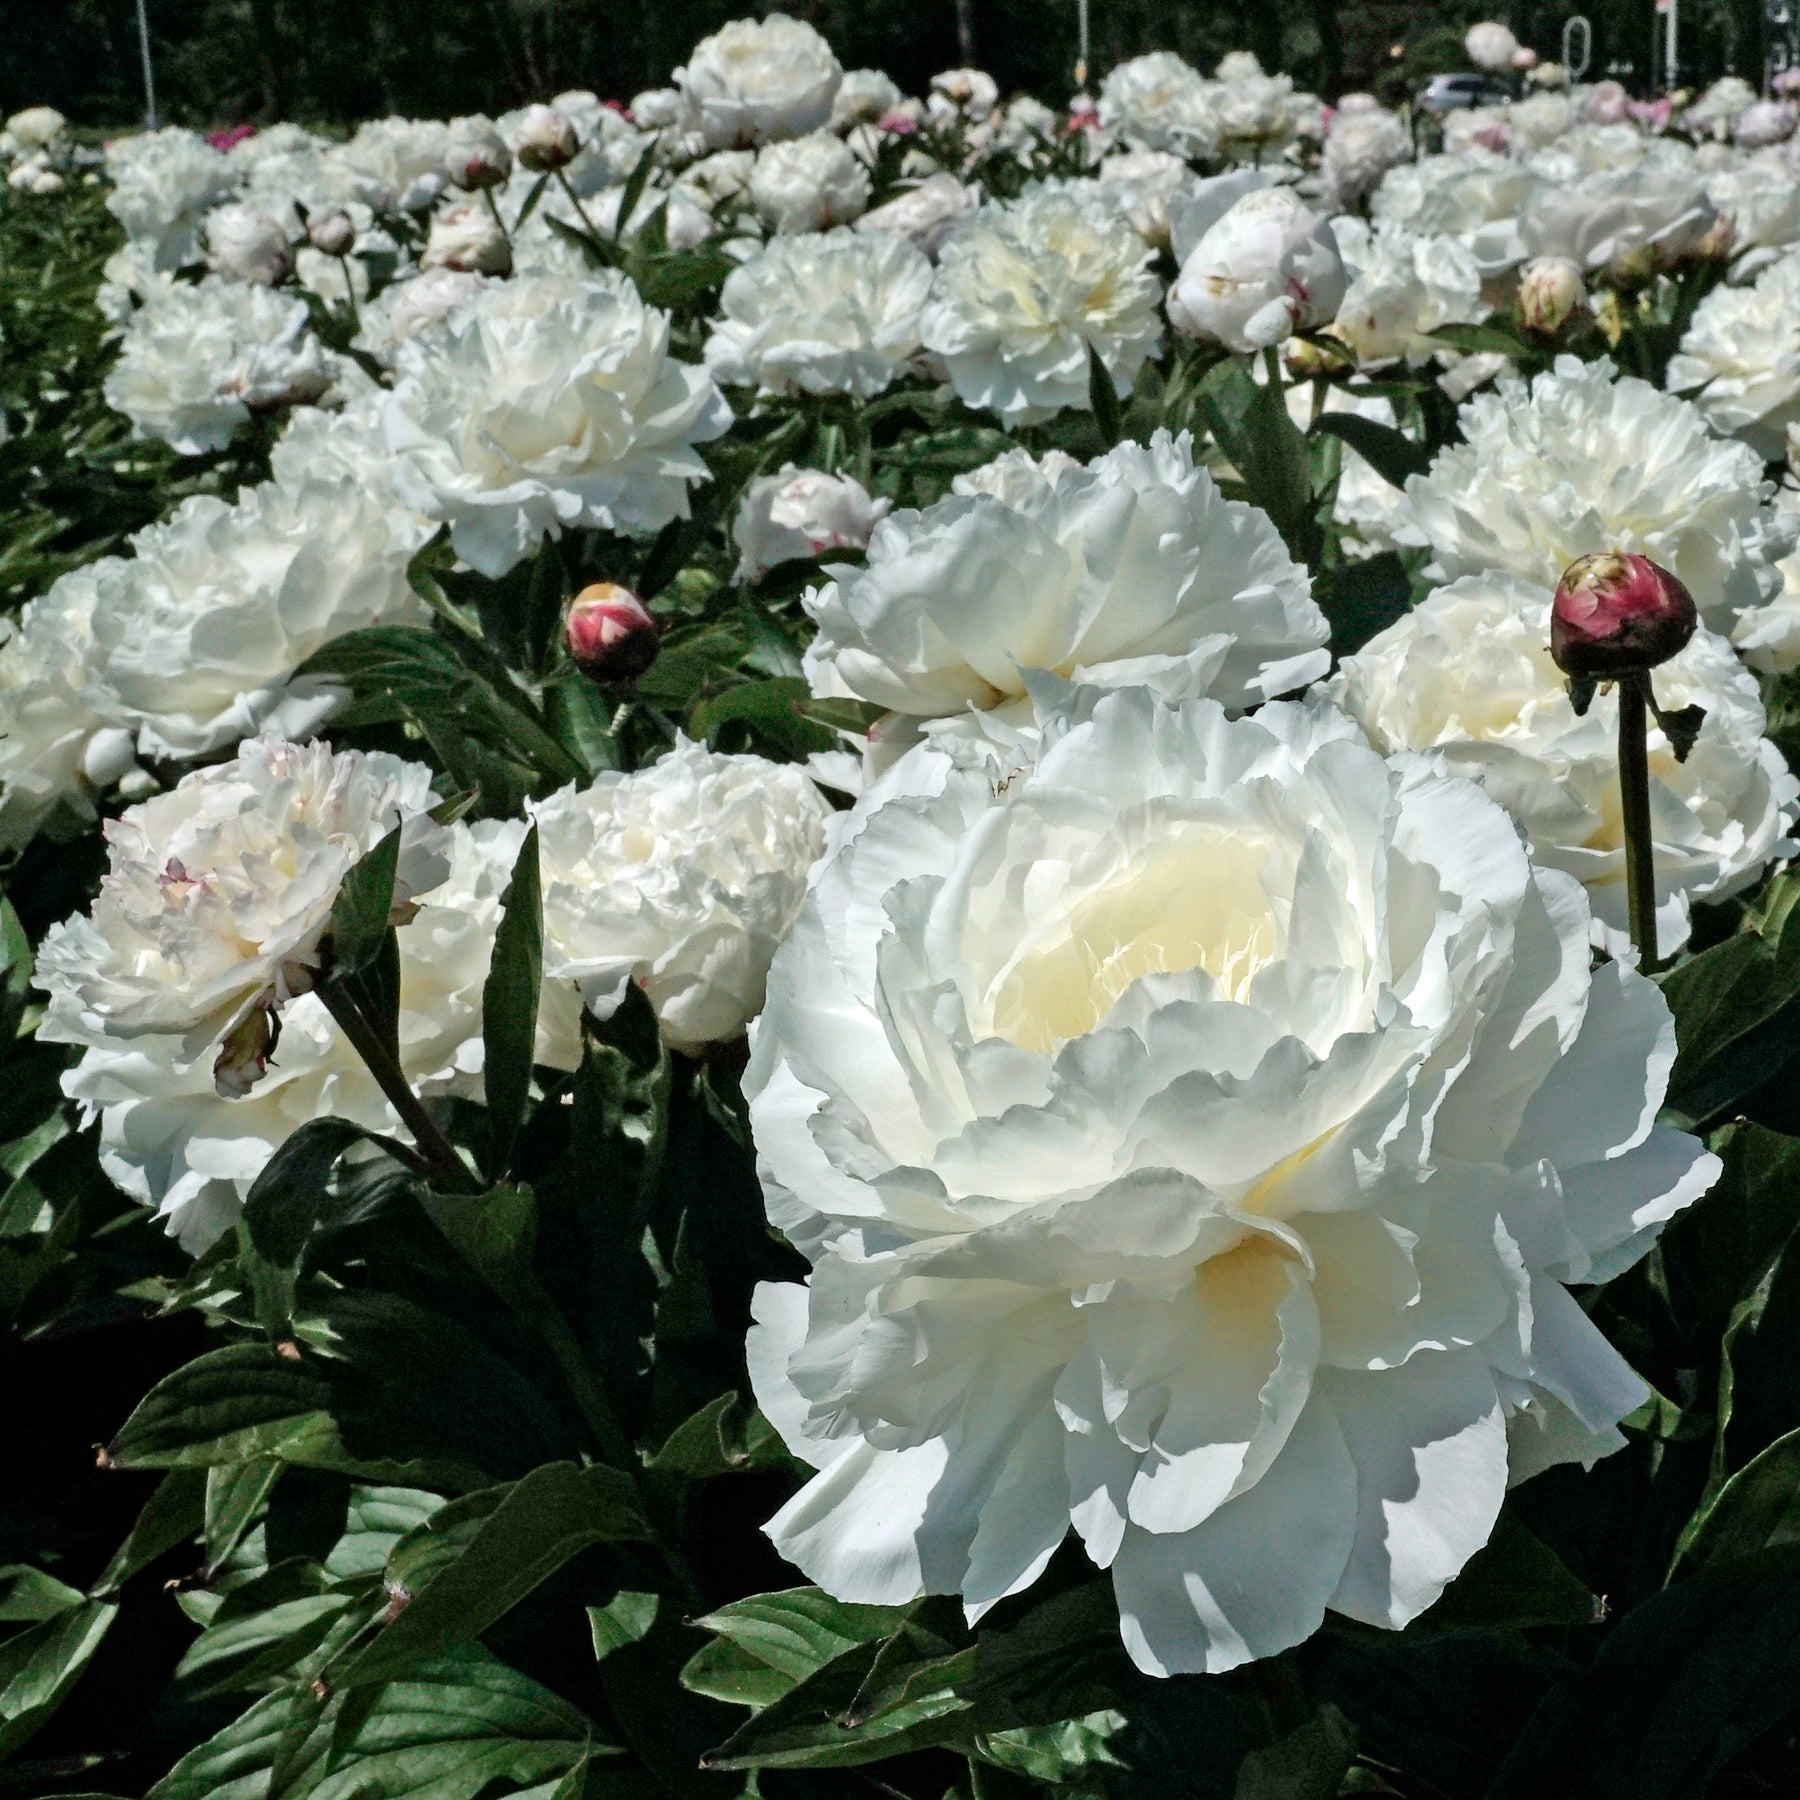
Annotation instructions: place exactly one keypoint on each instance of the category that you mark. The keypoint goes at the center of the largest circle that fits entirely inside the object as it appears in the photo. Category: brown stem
(1634, 807)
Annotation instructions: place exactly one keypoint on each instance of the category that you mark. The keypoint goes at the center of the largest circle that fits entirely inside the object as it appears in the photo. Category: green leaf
(15, 971)
(509, 1007)
(772, 1642)
(1103, 397)
(635, 183)
(1249, 421)
(1513, 1581)
(555, 1513)
(625, 1619)
(1307, 1764)
(722, 1438)
(457, 1727)
(39, 1665)
(174, 1514)
(235, 1494)
(1476, 340)
(248, 1649)
(1757, 1509)
(777, 709)
(1390, 453)
(30, 1595)
(362, 912)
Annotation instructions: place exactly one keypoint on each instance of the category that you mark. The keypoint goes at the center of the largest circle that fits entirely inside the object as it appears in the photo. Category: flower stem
(1634, 806)
(580, 210)
(493, 206)
(437, 1151)
(350, 291)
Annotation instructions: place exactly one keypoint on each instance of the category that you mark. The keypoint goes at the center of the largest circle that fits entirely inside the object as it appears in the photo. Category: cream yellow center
(1197, 903)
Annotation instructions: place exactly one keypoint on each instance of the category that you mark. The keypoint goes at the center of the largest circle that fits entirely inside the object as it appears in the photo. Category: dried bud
(333, 232)
(476, 155)
(1615, 615)
(610, 633)
(545, 139)
(1550, 289)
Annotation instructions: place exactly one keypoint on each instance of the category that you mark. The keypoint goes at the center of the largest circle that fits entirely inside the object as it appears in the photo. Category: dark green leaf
(634, 189)
(174, 1514)
(771, 1642)
(1250, 422)
(1307, 1764)
(1103, 397)
(1515, 1580)
(235, 1494)
(1477, 340)
(1757, 1509)
(541, 1522)
(509, 1007)
(1390, 453)
(39, 1665)
(722, 1438)
(29, 1595)
(1363, 598)
(363, 910)
(624, 1619)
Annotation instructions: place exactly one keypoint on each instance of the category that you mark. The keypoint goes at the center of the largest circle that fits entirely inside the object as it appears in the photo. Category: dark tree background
(336, 61)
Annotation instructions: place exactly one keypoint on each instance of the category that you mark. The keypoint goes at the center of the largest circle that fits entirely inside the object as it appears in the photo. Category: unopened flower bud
(475, 154)
(546, 140)
(610, 633)
(1550, 289)
(1615, 615)
(333, 232)
(248, 245)
(1718, 240)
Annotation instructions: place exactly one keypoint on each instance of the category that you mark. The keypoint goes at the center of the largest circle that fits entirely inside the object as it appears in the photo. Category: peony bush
(815, 973)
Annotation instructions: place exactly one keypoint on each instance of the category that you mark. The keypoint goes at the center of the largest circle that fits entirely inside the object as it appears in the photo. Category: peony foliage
(989, 1125)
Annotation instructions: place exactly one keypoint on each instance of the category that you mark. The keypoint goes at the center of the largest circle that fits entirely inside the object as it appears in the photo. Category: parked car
(1447, 93)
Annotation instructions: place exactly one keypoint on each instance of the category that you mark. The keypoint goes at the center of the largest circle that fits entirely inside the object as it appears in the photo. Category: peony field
(877, 945)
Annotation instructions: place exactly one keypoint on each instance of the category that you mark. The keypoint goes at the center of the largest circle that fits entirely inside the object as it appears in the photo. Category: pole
(1081, 27)
(143, 20)
(1674, 45)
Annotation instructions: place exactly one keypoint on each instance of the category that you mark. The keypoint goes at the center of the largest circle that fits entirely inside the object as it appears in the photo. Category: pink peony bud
(1615, 615)
(545, 139)
(476, 155)
(333, 232)
(610, 633)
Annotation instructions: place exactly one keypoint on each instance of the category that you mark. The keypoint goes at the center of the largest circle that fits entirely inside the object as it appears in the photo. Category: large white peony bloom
(197, 637)
(1474, 197)
(1402, 289)
(831, 314)
(809, 184)
(1468, 674)
(396, 165)
(1023, 290)
(1762, 199)
(1268, 267)
(174, 1143)
(198, 359)
(1768, 636)
(1131, 571)
(60, 739)
(1580, 462)
(405, 307)
(801, 513)
(1360, 148)
(1256, 112)
(924, 215)
(1739, 360)
(682, 878)
(1192, 1125)
(547, 403)
(1657, 209)
(756, 80)
(1162, 103)
(218, 892)
(164, 184)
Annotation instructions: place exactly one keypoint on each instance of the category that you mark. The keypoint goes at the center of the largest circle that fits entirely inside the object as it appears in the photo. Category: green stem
(562, 181)
(1634, 807)
(350, 292)
(493, 206)
(1272, 359)
(437, 1151)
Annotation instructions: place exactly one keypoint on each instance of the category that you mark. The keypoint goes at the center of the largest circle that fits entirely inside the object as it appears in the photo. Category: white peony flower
(808, 184)
(1729, 96)
(1475, 197)
(924, 215)
(197, 637)
(681, 878)
(1131, 571)
(801, 513)
(1192, 1126)
(1761, 198)
(198, 359)
(972, 93)
(403, 308)
(170, 1140)
(164, 184)
(1765, 122)
(218, 893)
(757, 80)
(1739, 360)
(1468, 674)
(396, 165)
(1657, 208)
(1255, 112)
(1580, 462)
(1144, 183)
(1538, 121)
(1161, 102)
(725, 175)
(1768, 636)
(475, 154)
(543, 404)
(1360, 148)
(467, 237)
(59, 740)
(1491, 45)
(36, 127)
(864, 97)
(248, 245)
(1403, 289)
(1025, 289)
(1016, 476)
(1268, 268)
(833, 314)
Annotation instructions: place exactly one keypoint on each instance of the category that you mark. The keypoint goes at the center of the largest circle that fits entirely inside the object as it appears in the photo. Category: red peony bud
(610, 633)
(1614, 615)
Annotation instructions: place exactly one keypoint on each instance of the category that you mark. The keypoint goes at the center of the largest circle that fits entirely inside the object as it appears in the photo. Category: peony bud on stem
(1634, 807)
(587, 224)
(612, 636)
(493, 206)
